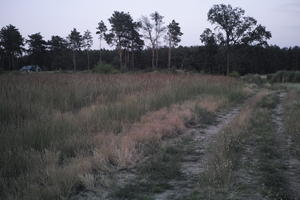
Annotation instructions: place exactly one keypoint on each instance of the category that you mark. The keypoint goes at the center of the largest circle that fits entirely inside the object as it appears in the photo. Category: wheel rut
(292, 172)
(195, 161)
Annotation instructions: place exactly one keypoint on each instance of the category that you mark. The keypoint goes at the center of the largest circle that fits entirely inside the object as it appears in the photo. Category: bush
(234, 74)
(254, 78)
(203, 116)
(285, 76)
(296, 78)
(105, 69)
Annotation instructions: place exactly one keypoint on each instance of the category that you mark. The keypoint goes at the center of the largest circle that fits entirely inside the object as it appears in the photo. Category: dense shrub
(105, 68)
(254, 78)
(234, 74)
(285, 76)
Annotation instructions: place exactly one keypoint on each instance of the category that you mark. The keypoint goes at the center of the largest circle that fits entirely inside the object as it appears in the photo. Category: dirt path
(292, 172)
(195, 157)
(267, 169)
(194, 162)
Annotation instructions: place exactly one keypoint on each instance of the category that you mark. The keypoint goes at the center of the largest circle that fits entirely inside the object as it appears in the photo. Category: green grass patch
(269, 102)
(105, 68)
(291, 119)
(202, 116)
(154, 174)
(271, 163)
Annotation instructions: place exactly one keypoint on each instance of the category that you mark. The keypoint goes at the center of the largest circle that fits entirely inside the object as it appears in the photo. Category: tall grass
(247, 160)
(52, 124)
(225, 154)
(291, 119)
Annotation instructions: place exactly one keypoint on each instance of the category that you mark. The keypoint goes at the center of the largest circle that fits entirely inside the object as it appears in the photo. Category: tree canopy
(36, 48)
(173, 33)
(101, 31)
(173, 38)
(234, 28)
(57, 47)
(124, 35)
(12, 43)
(75, 40)
(153, 31)
(87, 42)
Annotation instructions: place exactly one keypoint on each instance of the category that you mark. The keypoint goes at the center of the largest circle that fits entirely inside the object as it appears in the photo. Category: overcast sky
(59, 17)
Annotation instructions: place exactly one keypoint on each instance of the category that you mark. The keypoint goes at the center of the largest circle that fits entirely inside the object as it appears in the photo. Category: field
(57, 129)
(138, 136)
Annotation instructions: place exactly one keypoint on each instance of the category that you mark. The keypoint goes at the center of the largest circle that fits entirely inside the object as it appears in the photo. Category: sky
(59, 17)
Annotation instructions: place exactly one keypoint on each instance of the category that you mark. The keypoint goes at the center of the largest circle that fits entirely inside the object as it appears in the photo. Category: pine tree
(87, 44)
(173, 38)
(101, 32)
(75, 43)
(36, 48)
(12, 43)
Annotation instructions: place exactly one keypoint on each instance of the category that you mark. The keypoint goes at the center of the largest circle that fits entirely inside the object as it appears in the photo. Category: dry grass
(59, 129)
(291, 119)
(125, 149)
(247, 159)
(223, 150)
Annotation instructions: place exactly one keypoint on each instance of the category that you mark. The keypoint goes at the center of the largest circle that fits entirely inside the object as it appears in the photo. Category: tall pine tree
(75, 43)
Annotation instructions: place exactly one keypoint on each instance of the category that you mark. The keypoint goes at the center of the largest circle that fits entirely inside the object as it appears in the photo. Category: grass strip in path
(221, 179)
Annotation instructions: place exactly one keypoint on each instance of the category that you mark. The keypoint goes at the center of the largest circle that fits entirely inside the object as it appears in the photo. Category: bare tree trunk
(12, 62)
(227, 53)
(74, 61)
(169, 58)
(228, 61)
(100, 54)
(132, 60)
(128, 59)
(210, 66)
(156, 58)
(125, 59)
(88, 59)
(120, 59)
(153, 57)
(9, 61)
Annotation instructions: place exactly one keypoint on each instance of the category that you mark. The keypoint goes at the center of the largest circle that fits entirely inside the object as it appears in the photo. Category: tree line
(235, 42)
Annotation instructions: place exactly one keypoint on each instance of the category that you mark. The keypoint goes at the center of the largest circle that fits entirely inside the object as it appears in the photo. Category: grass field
(58, 130)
